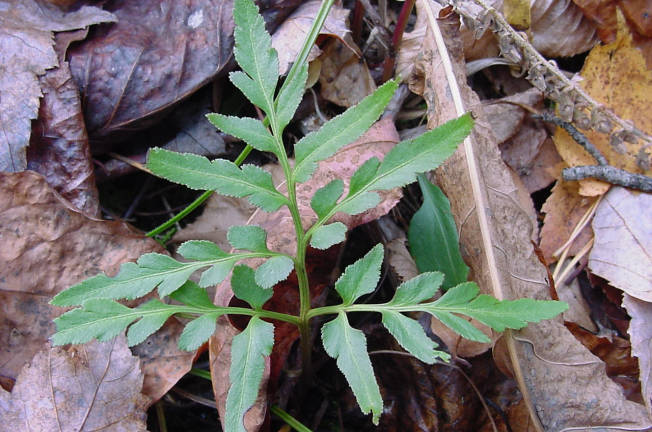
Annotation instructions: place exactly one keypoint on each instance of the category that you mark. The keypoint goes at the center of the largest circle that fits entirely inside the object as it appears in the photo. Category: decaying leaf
(400, 260)
(495, 238)
(281, 237)
(507, 116)
(158, 53)
(622, 251)
(559, 28)
(640, 336)
(524, 143)
(617, 76)
(579, 311)
(89, 387)
(564, 208)
(47, 245)
(26, 52)
(289, 37)
(59, 148)
(185, 130)
(345, 78)
(542, 171)
(604, 13)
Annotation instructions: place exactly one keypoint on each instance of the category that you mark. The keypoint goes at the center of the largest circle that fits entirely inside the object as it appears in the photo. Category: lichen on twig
(602, 171)
(573, 103)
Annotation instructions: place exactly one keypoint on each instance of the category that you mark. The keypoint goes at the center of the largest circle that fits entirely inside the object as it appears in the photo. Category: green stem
(196, 203)
(317, 24)
(231, 310)
(300, 259)
(332, 310)
(291, 421)
(200, 373)
(292, 319)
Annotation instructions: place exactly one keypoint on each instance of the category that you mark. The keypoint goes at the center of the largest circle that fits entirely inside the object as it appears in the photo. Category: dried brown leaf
(524, 142)
(185, 130)
(579, 311)
(89, 387)
(400, 260)
(559, 28)
(26, 52)
(158, 53)
(345, 78)
(622, 251)
(640, 335)
(59, 148)
(289, 37)
(544, 169)
(495, 238)
(564, 209)
(48, 245)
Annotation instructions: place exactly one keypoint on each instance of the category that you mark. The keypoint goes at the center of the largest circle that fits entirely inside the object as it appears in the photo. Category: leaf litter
(533, 348)
(48, 245)
(26, 53)
(495, 239)
(89, 387)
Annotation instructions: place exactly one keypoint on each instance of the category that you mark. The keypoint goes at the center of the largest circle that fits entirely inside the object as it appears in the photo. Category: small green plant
(102, 317)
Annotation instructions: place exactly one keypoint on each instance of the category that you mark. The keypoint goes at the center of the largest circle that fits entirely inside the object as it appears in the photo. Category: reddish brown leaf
(640, 332)
(345, 78)
(83, 388)
(59, 147)
(158, 53)
(48, 245)
(26, 52)
(564, 209)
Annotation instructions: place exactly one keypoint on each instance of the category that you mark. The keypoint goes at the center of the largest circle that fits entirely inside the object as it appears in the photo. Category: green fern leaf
(248, 352)
(220, 175)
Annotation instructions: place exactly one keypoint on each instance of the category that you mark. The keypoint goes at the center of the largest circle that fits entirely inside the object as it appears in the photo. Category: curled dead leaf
(26, 52)
(59, 148)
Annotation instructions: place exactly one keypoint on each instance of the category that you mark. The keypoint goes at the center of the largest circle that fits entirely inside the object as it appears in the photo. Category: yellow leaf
(517, 13)
(617, 76)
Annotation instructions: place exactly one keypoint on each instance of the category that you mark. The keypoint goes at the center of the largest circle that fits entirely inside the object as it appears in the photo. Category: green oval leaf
(433, 239)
